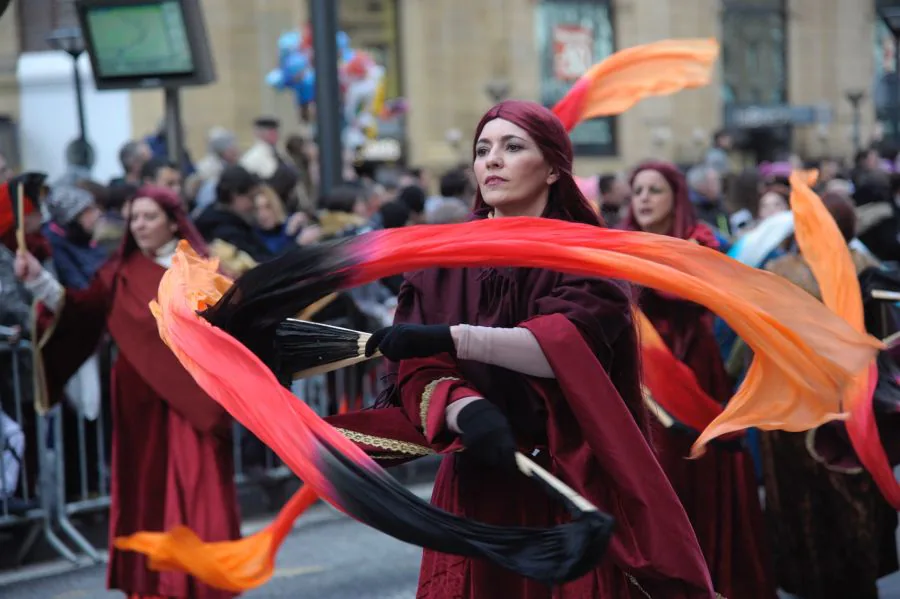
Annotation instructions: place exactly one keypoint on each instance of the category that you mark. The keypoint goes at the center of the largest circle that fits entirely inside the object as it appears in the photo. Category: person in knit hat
(74, 214)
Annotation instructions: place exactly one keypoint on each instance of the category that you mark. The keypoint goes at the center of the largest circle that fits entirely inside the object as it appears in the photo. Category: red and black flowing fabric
(805, 355)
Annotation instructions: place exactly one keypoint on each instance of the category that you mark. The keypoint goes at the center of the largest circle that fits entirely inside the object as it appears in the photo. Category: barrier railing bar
(62, 515)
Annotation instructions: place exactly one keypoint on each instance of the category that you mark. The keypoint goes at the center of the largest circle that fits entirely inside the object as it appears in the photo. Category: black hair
(605, 183)
(341, 199)
(394, 214)
(413, 197)
(151, 168)
(234, 181)
(455, 184)
(119, 195)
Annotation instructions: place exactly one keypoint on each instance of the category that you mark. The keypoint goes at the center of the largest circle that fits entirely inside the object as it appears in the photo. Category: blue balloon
(293, 65)
(275, 79)
(305, 89)
(343, 40)
(289, 41)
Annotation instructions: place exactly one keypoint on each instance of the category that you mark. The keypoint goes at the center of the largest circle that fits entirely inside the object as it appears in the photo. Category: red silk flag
(671, 382)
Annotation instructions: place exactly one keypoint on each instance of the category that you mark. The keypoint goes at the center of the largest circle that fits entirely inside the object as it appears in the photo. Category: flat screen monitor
(146, 43)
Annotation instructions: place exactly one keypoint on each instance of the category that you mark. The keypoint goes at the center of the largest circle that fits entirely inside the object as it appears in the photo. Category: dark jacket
(217, 222)
(76, 259)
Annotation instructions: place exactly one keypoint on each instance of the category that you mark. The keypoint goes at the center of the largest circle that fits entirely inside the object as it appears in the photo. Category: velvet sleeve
(426, 386)
(414, 426)
(65, 339)
(600, 309)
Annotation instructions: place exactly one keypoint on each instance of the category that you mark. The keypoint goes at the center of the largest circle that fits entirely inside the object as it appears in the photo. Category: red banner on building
(573, 51)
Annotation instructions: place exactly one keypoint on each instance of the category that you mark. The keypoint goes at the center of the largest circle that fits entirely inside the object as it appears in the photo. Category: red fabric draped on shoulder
(135, 282)
(599, 447)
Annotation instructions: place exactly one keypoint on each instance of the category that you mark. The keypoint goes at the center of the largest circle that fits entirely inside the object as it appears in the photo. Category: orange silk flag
(228, 565)
(617, 83)
(826, 253)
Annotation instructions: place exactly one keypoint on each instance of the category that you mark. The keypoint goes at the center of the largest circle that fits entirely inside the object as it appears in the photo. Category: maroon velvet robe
(587, 435)
(718, 490)
(171, 447)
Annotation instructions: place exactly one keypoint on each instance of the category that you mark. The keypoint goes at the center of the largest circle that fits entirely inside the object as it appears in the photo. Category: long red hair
(171, 204)
(685, 224)
(548, 133)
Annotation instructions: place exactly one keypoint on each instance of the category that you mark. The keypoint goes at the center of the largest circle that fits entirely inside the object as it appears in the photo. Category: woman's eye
(513, 147)
(481, 152)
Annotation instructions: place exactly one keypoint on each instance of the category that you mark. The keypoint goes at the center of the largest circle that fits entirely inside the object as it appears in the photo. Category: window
(884, 88)
(572, 35)
(37, 18)
(754, 53)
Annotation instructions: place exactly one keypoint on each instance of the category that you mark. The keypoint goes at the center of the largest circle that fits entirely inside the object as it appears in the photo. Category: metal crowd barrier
(71, 483)
(35, 505)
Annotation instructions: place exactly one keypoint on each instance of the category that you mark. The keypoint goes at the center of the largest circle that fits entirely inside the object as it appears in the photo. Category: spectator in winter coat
(74, 215)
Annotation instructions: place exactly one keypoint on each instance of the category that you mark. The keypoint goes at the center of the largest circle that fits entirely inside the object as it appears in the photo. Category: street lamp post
(855, 98)
(889, 12)
(324, 14)
(79, 152)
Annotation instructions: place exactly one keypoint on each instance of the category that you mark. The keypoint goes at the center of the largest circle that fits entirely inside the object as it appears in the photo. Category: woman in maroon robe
(537, 361)
(171, 457)
(718, 490)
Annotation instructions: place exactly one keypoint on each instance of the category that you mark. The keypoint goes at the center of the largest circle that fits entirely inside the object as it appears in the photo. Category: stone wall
(450, 50)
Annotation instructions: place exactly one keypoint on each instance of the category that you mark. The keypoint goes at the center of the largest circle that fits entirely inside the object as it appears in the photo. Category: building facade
(783, 78)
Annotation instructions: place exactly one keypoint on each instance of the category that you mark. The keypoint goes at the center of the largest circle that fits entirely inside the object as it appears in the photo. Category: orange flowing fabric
(805, 356)
(671, 382)
(824, 250)
(228, 565)
(617, 83)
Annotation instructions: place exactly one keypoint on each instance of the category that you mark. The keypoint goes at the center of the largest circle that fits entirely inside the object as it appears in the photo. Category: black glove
(486, 434)
(404, 341)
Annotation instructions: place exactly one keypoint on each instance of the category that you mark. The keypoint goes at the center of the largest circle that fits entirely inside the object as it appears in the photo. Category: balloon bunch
(362, 82)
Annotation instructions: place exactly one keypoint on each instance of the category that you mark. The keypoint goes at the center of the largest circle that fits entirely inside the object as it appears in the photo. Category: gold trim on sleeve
(426, 398)
(387, 444)
(42, 399)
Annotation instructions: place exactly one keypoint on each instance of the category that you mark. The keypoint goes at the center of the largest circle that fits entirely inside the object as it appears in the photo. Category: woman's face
(652, 201)
(361, 208)
(244, 204)
(265, 215)
(511, 171)
(150, 226)
(771, 204)
(88, 218)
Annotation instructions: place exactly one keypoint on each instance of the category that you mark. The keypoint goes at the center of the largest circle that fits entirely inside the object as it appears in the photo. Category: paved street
(327, 557)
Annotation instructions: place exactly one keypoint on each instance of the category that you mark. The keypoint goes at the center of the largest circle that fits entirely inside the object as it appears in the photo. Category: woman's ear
(553, 177)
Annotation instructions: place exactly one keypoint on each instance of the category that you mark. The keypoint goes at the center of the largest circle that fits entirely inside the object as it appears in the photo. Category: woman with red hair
(494, 360)
(718, 490)
(171, 449)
